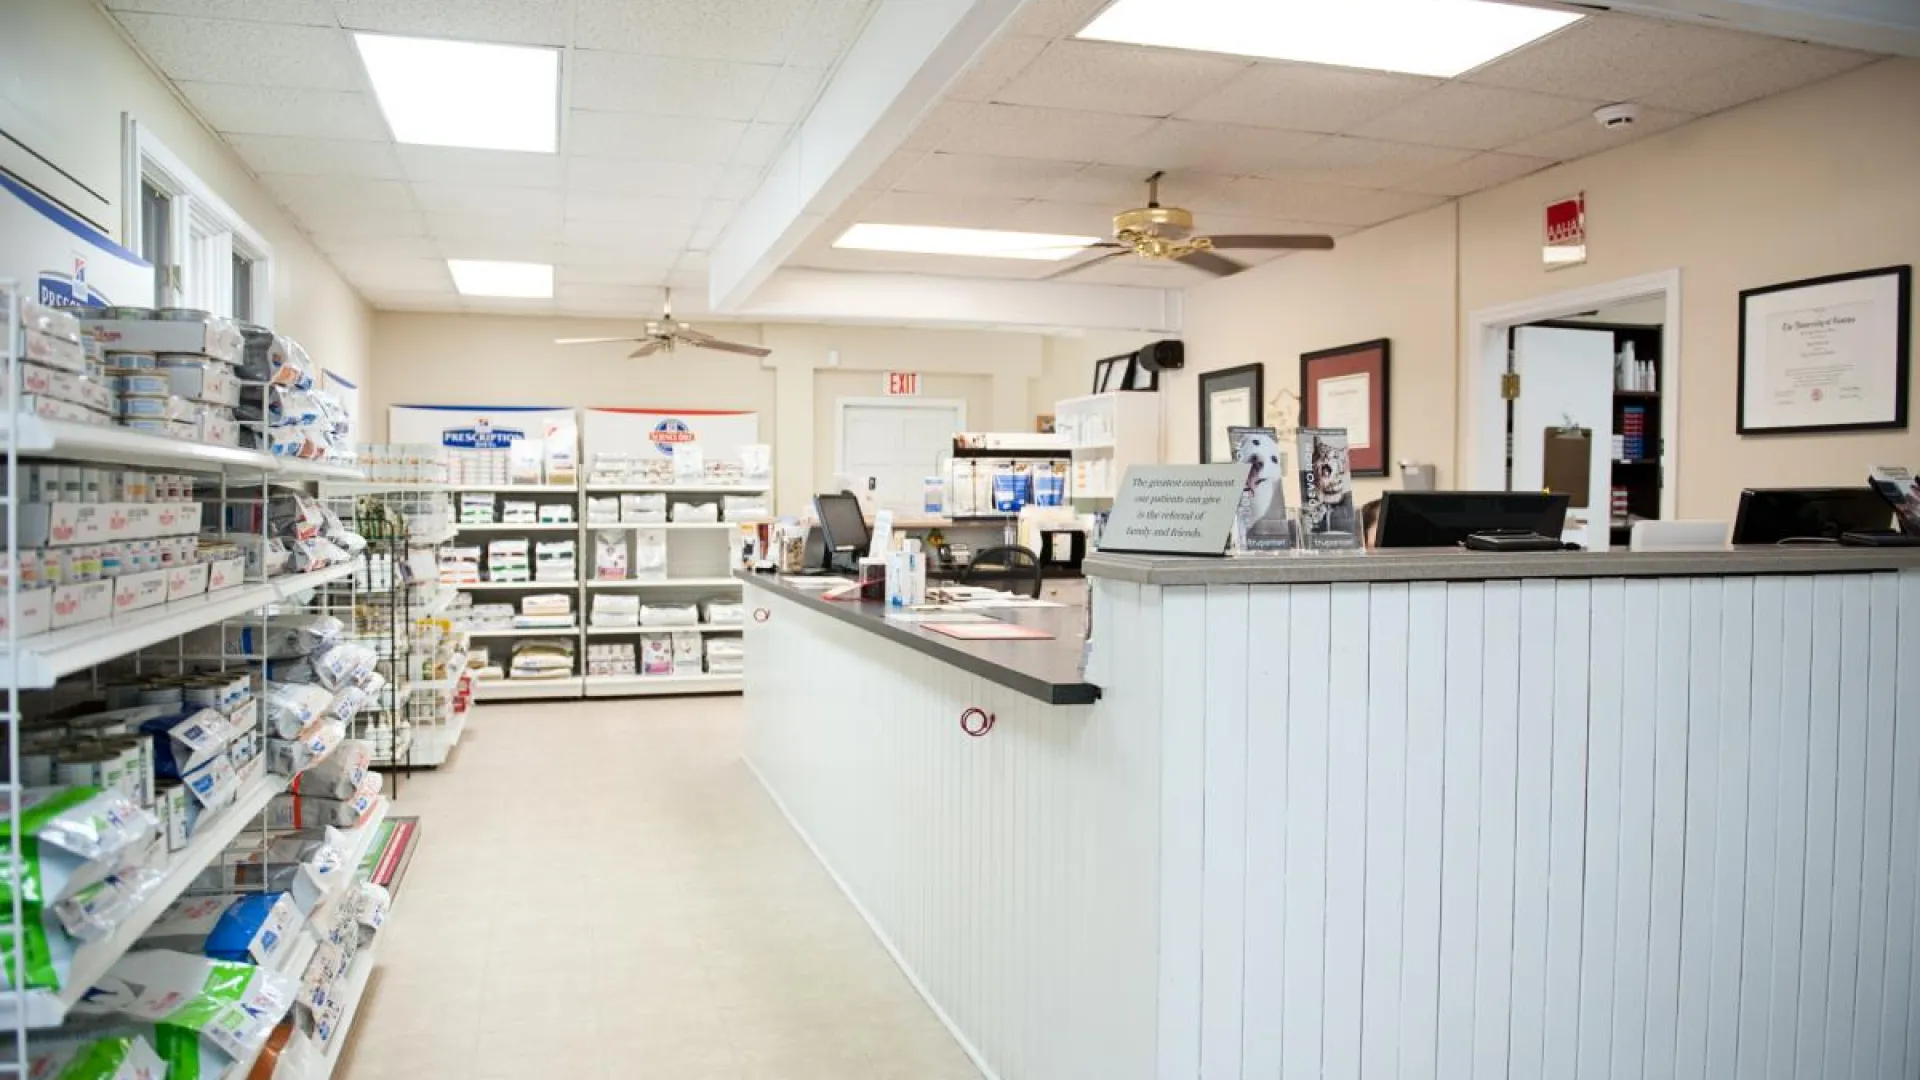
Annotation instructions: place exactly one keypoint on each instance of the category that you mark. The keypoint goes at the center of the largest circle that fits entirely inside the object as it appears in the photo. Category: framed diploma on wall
(1347, 388)
(1229, 398)
(1826, 354)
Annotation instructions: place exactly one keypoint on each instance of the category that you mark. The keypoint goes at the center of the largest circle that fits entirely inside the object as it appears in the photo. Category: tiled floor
(604, 890)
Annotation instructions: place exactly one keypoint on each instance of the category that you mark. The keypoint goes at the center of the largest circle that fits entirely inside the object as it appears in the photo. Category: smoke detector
(1615, 117)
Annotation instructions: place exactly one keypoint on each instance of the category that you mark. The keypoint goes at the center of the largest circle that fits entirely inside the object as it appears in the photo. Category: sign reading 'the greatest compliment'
(1175, 509)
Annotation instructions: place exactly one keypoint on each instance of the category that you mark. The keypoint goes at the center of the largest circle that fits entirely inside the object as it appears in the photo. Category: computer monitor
(1782, 515)
(1422, 519)
(845, 528)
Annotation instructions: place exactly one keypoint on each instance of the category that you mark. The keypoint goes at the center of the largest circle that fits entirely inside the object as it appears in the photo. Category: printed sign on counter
(1175, 509)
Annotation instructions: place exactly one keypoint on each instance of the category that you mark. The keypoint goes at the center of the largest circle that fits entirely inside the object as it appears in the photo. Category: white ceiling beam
(1882, 26)
(924, 299)
(901, 64)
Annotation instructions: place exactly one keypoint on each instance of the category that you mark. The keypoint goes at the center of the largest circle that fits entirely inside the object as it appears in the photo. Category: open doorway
(1577, 393)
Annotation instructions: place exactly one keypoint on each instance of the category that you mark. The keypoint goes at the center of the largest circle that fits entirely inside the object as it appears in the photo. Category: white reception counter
(1396, 816)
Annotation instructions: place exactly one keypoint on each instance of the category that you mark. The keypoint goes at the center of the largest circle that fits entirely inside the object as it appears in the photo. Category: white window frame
(206, 232)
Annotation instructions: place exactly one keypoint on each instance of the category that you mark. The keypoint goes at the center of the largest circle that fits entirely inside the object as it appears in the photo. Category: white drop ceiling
(673, 110)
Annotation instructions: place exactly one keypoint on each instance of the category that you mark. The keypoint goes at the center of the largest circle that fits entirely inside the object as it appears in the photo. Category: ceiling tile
(892, 169)
(304, 12)
(960, 211)
(626, 207)
(486, 199)
(991, 70)
(1054, 18)
(1101, 77)
(412, 299)
(794, 91)
(1232, 223)
(502, 168)
(1063, 218)
(938, 124)
(830, 29)
(1306, 97)
(532, 251)
(391, 247)
(1474, 117)
(390, 273)
(262, 110)
(324, 195)
(663, 234)
(1256, 197)
(1121, 186)
(1369, 163)
(1775, 71)
(713, 221)
(1209, 147)
(317, 157)
(516, 22)
(1048, 134)
(760, 143)
(1585, 136)
(668, 86)
(642, 301)
(651, 138)
(254, 54)
(344, 226)
(644, 272)
(665, 179)
(463, 230)
(751, 31)
(1476, 173)
(1619, 57)
(970, 174)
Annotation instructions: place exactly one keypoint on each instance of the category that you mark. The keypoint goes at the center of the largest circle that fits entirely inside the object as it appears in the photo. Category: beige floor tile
(624, 902)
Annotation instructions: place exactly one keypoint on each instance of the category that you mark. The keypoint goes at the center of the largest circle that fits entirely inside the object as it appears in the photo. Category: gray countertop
(1045, 669)
(1453, 564)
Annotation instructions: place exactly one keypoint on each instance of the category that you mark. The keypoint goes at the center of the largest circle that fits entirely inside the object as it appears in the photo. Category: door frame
(1484, 360)
(840, 406)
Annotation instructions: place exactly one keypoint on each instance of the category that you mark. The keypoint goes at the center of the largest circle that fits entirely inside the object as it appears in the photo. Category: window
(204, 254)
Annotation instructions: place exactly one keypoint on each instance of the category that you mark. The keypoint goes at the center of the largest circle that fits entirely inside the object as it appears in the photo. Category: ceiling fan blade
(1077, 267)
(707, 342)
(647, 348)
(1218, 265)
(1274, 242)
(591, 340)
(691, 336)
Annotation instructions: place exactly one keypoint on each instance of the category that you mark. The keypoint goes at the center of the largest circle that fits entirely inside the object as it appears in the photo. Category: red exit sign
(903, 384)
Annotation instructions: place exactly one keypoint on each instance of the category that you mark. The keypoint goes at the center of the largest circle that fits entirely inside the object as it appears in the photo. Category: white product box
(214, 384)
(219, 430)
(36, 612)
(55, 351)
(170, 803)
(215, 340)
(135, 592)
(226, 573)
(185, 581)
(89, 601)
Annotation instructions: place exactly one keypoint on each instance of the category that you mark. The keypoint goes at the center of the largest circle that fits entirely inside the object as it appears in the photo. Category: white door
(893, 446)
(1566, 377)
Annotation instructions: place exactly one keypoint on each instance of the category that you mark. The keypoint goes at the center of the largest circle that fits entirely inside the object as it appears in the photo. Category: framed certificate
(1347, 388)
(1826, 354)
(1229, 398)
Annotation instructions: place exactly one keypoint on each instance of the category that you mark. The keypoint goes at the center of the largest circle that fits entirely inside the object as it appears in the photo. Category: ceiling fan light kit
(1165, 234)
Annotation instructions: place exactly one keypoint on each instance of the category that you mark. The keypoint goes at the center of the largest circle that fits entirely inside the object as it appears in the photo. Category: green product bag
(230, 1007)
(71, 838)
(49, 952)
(107, 1057)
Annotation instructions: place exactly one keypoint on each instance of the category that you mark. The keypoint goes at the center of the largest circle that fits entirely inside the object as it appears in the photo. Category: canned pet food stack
(52, 375)
(171, 371)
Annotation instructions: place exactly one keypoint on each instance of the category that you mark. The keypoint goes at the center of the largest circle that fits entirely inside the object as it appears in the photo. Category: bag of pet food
(230, 1006)
(71, 838)
(92, 1056)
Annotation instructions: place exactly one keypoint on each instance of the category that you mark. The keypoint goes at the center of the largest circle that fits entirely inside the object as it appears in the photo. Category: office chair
(1012, 568)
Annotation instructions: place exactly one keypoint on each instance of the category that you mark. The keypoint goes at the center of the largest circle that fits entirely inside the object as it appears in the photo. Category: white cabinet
(1109, 433)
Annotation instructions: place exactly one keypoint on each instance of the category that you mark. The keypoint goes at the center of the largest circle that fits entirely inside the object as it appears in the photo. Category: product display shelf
(510, 585)
(682, 489)
(382, 487)
(106, 444)
(709, 525)
(359, 973)
(664, 583)
(526, 689)
(526, 631)
(704, 628)
(518, 489)
(648, 685)
(1107, 434)
(44, 658)
(564, 526)
(45, 1008)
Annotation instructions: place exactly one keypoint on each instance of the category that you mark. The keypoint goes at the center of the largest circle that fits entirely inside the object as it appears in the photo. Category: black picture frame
(1375, 360)
(1250, 377)
(1103, 374)
(1903, 334)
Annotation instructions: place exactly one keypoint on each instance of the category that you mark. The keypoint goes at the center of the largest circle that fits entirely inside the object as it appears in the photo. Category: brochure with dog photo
(1897, 486)
(1329, 520)
(1262, 523)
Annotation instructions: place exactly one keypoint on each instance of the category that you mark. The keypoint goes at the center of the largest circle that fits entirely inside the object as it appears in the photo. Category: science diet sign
(659, 433)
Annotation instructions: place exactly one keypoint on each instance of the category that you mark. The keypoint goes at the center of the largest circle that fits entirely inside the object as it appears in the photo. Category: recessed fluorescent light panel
(1442, 38)
(460, 93)
(983, 243)
(477, 277)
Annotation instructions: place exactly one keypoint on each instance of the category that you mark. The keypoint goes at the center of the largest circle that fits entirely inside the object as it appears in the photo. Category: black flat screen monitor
(1425, 519)
(845, 528)
(1781, 515)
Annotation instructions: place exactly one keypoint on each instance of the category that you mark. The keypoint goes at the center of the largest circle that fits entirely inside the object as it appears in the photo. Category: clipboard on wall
(1566, 464)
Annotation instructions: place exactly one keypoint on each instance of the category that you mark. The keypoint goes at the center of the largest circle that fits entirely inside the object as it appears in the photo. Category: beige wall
(1067, 367)
(1822, 180)
(437, 359)
(66, 78)
(1396, 282)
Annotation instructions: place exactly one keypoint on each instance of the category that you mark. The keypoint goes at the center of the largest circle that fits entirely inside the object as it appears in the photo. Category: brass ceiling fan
(664, 333)
(1154, 231)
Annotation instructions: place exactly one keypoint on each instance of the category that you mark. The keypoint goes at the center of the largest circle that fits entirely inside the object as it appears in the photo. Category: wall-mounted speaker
(1169, 355)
